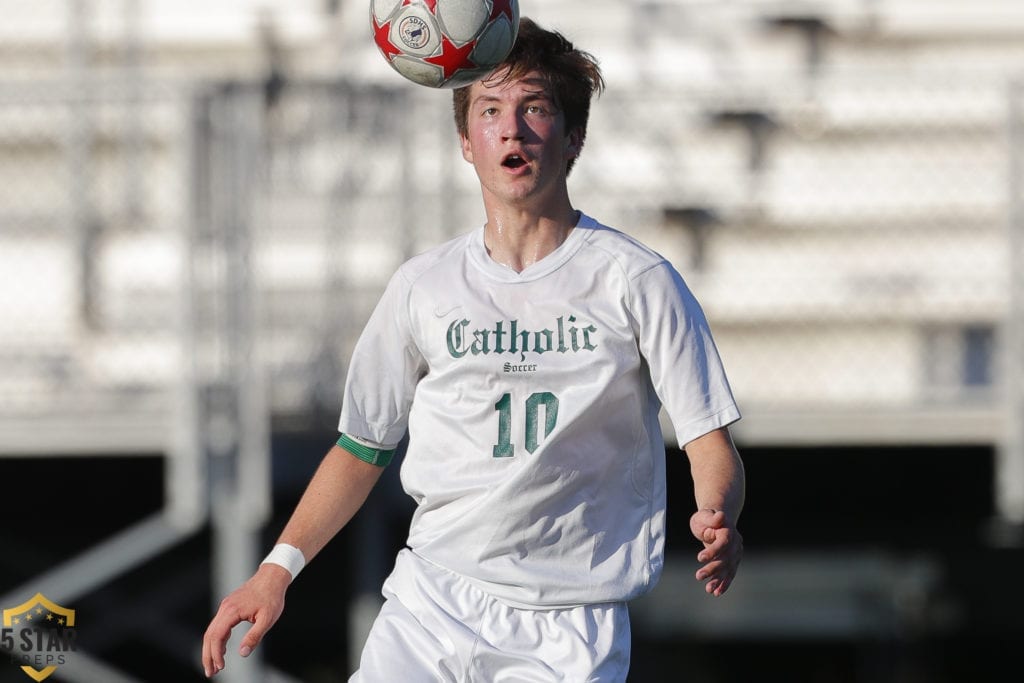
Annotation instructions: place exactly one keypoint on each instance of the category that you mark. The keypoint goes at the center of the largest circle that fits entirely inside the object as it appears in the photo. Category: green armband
(374, 456)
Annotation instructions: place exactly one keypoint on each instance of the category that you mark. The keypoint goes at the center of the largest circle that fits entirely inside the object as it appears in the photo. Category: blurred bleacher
(816, 168)
(200, 202)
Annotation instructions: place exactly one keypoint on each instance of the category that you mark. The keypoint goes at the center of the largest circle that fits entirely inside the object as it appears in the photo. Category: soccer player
(527, 361)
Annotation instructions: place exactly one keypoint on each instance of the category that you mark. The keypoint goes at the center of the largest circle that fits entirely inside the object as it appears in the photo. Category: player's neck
(519, 239)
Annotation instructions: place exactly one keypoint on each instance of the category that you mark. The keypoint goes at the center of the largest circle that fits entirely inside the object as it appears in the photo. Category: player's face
(516, 140)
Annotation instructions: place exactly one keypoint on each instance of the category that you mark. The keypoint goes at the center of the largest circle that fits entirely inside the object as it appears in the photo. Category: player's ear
(467, 148)
(573, 143)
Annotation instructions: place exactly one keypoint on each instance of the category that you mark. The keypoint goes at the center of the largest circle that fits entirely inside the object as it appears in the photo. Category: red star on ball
(452, 57)
(501, 7)
(380, 36)
(431, 5)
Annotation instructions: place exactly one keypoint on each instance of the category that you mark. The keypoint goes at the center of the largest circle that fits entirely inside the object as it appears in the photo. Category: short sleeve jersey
(531, 401)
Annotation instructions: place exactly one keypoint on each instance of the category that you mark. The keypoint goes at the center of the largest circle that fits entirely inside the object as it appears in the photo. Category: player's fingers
(722, 586)
(719, 573)
(705, 522)
(717, 543)
(709, 570)
(718, 577)
(253, 637)
(699, 521)
(724, 582)
(215, 640)
(719, 565)
(210, 646)
(262, 622)
(214, 647)
(206, 657)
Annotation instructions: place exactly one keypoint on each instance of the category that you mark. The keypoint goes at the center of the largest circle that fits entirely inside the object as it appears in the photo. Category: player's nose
(513, 125)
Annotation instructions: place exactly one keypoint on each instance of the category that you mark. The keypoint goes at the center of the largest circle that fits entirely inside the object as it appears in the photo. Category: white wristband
(287, 556)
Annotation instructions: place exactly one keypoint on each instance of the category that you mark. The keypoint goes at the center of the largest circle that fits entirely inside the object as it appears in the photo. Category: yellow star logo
(39, 604)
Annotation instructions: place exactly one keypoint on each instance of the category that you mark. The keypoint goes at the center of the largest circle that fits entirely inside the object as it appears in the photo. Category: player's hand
(259, 601)
(722, 552)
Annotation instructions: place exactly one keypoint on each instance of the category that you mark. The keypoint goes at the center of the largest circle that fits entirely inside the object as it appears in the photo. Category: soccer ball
(444, 43)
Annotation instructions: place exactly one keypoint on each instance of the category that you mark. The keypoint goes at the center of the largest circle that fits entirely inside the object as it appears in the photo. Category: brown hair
(573, 76)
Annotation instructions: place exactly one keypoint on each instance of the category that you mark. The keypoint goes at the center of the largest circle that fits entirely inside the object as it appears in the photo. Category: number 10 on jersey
(531, 410)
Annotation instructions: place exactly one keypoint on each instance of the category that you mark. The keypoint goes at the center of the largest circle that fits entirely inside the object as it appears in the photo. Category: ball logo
(414, 32)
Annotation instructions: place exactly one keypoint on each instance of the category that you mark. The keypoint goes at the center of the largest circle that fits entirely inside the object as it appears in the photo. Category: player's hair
(573, 76)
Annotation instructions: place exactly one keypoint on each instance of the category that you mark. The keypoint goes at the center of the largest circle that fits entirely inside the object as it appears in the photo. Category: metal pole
(234, 420)
(186, 465)
(82, 223)
(134, 168)
(1010, 456)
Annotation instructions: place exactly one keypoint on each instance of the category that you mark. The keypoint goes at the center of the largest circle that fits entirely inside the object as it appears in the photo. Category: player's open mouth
(513, 161)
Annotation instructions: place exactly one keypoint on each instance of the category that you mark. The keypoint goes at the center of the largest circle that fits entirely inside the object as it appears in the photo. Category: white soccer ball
(444, 43)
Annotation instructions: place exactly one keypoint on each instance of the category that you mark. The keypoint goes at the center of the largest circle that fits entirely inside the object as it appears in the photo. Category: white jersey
(531, 401)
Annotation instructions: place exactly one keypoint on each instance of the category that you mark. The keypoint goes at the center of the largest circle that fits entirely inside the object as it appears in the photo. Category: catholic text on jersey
(505, 336)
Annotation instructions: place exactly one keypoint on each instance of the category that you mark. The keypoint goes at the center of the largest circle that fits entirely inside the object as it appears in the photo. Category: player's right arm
(335, 493)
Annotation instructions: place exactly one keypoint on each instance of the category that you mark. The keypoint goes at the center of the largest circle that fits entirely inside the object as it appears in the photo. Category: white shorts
(437, 626)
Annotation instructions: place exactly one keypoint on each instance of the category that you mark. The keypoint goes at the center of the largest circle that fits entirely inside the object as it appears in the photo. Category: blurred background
(200, 202)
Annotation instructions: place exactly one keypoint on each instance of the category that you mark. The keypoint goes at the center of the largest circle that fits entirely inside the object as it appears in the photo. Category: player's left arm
(719, 486)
